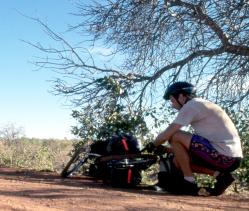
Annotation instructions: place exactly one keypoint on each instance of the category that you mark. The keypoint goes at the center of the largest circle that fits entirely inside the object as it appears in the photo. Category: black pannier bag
(123, 175)
(119, 175)
(99, 147)
(116, 172)
(95, 168)
(116, 145)
(122, 144)
(170, 178)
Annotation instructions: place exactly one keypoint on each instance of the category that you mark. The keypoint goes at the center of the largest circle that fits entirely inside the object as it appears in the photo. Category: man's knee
(177, 136)
(181, 137)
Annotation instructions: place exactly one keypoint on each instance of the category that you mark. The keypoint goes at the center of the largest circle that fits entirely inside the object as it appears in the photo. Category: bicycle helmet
(180, 87)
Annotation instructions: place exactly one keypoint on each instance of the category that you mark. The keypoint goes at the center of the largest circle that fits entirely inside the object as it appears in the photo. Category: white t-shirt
(211, 122)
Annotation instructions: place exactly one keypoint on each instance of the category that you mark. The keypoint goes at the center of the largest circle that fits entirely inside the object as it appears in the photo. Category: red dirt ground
(40, 191)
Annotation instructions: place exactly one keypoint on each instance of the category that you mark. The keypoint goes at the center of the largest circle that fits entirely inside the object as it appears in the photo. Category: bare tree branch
(205, 42)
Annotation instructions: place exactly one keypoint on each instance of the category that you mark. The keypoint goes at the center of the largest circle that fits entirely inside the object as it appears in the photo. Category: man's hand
(150, 147)
(160, 150)
(167, 134)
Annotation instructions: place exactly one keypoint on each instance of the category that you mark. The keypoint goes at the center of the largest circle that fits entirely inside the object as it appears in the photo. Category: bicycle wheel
(139, 161)
(79, 158)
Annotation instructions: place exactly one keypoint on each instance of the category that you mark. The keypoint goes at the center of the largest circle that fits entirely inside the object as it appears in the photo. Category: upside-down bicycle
(116, 169)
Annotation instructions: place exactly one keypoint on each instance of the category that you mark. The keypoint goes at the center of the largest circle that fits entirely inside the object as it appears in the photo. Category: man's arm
(167, 134)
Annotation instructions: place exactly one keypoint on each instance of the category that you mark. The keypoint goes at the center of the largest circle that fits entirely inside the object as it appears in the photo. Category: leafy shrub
(241, 120)
(35, 153)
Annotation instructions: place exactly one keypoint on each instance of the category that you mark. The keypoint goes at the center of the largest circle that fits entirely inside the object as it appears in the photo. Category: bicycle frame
(137, 161)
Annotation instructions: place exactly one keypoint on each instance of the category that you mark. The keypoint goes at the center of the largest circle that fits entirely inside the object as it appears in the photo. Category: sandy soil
(40, 191)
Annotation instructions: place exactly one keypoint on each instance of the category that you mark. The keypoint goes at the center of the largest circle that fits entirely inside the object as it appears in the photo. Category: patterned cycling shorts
(204, 154)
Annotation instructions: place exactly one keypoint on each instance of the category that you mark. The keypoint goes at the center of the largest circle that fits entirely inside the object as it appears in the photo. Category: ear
(182, 98)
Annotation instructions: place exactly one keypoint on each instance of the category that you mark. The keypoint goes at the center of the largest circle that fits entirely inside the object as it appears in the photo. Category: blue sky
(25, 100)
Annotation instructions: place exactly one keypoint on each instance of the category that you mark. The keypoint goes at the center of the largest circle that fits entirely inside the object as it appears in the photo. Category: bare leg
(180, 143)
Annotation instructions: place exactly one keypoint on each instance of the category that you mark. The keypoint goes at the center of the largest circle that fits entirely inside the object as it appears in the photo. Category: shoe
(189, 188)
(158, 189)
(192, 189)
(224, 180)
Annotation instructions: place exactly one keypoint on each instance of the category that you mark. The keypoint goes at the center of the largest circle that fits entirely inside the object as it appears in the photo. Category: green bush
(35, 153)
(241, 120)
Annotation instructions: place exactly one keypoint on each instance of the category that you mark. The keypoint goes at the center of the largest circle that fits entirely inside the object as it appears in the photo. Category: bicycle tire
(138, 161)
(74, 163)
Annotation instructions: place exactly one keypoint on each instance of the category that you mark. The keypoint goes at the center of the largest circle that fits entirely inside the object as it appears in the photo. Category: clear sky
(25, 100)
